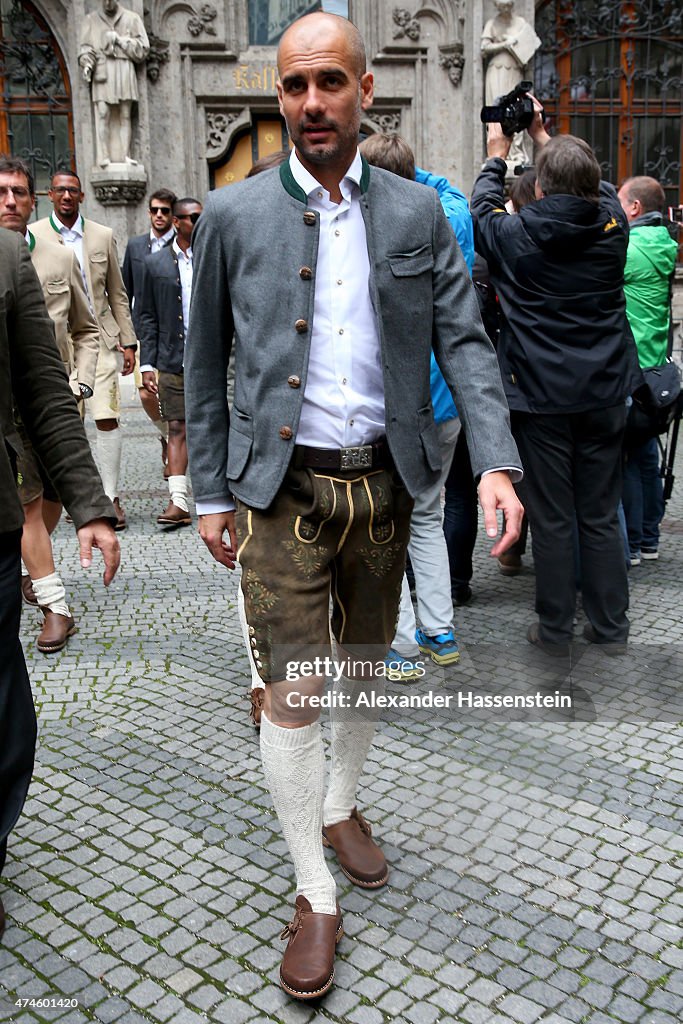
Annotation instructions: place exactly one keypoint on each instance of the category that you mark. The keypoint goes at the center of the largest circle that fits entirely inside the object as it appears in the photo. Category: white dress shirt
(73, 237)
(185, 273)
(343, 402)
(158, 242)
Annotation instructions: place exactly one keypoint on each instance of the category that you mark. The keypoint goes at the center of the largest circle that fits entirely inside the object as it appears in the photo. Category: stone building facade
(607, 69)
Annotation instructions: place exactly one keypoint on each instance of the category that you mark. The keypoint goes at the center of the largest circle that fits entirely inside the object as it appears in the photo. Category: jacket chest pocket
(411, 264)
(98, 272)
(57, 292)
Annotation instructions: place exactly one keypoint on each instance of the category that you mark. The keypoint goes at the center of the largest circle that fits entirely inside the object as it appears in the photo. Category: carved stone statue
(113, 40)
(509, 41)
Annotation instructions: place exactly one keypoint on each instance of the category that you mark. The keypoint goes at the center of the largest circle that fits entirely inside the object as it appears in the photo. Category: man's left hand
(99, 533)
(128, 361)
(496, 492)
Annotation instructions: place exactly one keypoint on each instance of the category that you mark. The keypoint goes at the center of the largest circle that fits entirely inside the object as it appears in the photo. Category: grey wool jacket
(255, 252)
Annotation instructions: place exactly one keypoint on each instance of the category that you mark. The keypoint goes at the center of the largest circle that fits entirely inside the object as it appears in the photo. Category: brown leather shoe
(307, 969)
(121, 522)
(174, 516)
(27, 591)
(359, 857)
(256, 698)
(55, 632)
(509, 564)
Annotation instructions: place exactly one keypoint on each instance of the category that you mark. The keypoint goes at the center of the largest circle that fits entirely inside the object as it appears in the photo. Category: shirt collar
(187, 256)
(163, 239)
(76, 228)
(310, 185)
(30, 240)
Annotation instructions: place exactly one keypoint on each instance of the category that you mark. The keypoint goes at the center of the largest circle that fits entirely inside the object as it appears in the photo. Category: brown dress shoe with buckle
(307, 969)
(174, 516)
(359, 857)
(257, 696)
(121, 521)
(55, 632)
(27, 591)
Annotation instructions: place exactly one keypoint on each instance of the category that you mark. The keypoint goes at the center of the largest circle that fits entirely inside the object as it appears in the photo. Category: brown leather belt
(363, 457)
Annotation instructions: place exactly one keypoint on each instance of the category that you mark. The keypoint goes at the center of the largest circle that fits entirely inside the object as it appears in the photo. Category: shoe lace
(362, 823)
(255, 698)
(293, 927)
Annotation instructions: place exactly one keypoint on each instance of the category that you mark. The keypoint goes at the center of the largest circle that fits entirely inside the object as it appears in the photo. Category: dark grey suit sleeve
(127, 272)
(466, 357)
(147, 319)
(207, 351)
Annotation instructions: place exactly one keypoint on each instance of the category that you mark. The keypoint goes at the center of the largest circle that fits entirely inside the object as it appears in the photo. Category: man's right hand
(149, 382)
(98, 533)
(211, 530)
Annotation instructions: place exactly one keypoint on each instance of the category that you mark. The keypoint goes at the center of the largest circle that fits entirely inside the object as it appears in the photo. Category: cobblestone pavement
(536, 862)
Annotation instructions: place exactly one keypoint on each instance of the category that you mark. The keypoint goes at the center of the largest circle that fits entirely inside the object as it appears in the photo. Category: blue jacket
(457, 210)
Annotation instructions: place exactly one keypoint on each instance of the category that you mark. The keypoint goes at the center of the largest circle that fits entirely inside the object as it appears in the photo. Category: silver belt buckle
(356, 458)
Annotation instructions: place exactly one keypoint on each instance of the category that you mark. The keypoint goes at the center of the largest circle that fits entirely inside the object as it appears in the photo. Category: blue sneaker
(443, 649)
(400, 669)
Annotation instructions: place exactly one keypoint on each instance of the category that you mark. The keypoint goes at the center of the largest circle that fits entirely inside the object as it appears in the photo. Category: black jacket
(160, 329)
(558, 268)
(137, 250)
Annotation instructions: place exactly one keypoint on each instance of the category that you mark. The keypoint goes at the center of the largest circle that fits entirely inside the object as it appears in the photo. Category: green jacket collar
(290, 184)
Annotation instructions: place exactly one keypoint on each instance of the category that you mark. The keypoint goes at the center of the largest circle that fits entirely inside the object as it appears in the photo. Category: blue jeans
(428, 556)
(460, 516)
(643, 496)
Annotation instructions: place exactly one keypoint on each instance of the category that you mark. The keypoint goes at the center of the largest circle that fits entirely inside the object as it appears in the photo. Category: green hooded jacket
(650, 261)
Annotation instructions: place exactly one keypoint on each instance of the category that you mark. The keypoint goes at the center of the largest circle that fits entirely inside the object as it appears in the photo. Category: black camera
(514, 111)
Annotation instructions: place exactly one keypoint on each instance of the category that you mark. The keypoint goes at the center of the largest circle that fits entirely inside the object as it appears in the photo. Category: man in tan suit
(78, 343)
(95, 250)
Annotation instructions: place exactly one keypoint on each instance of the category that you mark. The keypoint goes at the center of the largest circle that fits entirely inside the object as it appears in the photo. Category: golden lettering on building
(255, 79)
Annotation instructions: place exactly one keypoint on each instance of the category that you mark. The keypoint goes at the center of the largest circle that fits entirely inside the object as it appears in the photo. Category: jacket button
(301, 326)
(286, 433)
(306, 273)
(252, 631)
(513, 379)
(180, 316)
(294, 381)
(309, 217)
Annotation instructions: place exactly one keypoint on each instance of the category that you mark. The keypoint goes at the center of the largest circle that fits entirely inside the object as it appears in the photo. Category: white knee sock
(109, 446)
(177, 486)
(256, 681)
(50, 593)
(294, 767)
(353, 730)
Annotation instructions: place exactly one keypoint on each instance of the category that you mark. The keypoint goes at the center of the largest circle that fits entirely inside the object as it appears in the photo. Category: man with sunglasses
(95, 250)
(161, 233)
(163, 308)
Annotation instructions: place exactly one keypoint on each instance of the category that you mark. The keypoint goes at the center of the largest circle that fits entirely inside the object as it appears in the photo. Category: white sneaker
(649, 554)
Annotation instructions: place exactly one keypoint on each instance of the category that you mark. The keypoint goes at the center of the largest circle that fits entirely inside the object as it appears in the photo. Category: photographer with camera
(568, 363)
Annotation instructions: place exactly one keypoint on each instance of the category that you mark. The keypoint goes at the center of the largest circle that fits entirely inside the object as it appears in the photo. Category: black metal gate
(36, 121)
(611, 72)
